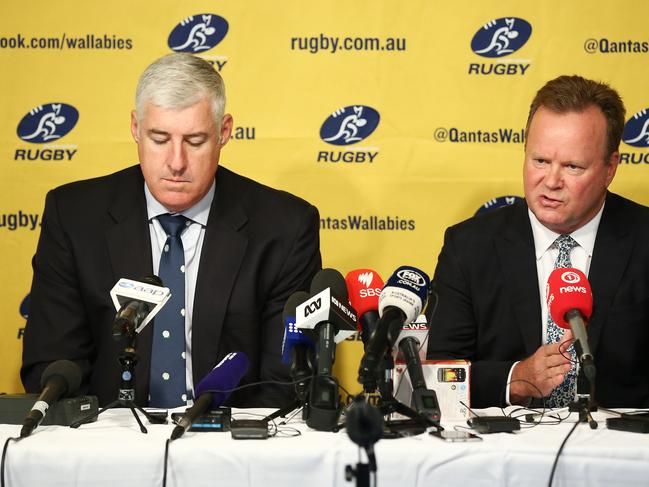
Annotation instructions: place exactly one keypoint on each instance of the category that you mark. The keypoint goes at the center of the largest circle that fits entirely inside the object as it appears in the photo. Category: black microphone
(297, 347)
(59, 379)
(328, 314)
(412, 339)
(214, 389)
(364, 425)
(136, 302)
(401, 301)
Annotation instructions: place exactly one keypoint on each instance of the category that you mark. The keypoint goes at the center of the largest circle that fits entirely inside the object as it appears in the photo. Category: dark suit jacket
(489, 308)
(260, 246)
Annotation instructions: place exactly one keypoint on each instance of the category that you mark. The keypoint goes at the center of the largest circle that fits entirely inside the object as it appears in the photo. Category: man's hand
(545, 369)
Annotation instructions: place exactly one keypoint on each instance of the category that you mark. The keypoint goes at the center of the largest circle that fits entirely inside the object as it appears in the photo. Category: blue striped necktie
(167, 386)
(564, 393)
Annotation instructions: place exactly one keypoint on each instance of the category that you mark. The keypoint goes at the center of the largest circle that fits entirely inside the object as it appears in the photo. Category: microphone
(570, 304)
(364, 287)
(214, 389)
(328, 315)
(60, 378)
(400, 302)
(411, 340)
(136, 304)
(364, 424)
(297, 347)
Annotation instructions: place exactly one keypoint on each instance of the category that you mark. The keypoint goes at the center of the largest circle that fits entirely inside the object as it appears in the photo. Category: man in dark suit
(246, 249)
(493, 269)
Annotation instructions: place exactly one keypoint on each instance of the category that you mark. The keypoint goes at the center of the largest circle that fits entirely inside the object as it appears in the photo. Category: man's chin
(175, 201)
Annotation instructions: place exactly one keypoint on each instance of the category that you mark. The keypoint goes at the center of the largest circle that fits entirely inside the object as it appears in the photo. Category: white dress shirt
(192, 239)
(546, 255)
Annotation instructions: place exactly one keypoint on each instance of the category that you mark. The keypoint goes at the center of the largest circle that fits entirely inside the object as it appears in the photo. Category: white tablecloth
(114, 453)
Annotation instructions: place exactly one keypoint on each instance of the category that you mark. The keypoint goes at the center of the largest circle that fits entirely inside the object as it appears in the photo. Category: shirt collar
(584, 236)
(197, 213)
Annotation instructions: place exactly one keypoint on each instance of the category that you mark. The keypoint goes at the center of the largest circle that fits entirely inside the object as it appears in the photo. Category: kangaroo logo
(24, 307)
(198, 33)
(636, 130)
(349, 125)
(46, 123)
(500, 37)
(312, 307)
(498, 202)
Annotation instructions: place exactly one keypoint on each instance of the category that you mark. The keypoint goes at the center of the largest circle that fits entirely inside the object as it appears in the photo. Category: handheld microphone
(136, 304)
(214, 389)
(411, 341)
(328, 315)
(364, 287)
(400, 302)
(297, 347)
(59, 379)
(570, 304)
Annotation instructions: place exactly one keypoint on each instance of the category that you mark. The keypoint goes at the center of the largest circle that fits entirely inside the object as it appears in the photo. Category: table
(113, 452)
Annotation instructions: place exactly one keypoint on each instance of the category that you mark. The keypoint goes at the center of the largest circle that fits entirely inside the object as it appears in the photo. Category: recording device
(297, 347)
(494, 424)
(213, 420)
(364, 287)
(451, 374)
(635, 422)
(136, 304)
(400, 302)
(249, 429)
(60, 378)
(412, 338)
(455, 436)
(570, 303)
(214, 389)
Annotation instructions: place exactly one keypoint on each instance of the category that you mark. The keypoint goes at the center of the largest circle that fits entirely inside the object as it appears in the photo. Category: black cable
(4, 455)
(556, 460)
(164, 475)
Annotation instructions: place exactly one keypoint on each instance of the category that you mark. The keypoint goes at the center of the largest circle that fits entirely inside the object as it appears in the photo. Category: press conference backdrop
(396, 119)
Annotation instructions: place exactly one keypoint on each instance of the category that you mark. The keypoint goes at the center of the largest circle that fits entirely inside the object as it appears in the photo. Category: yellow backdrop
(422, 103)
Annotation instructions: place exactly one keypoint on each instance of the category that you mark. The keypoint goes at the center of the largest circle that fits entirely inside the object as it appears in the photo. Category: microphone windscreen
(153, 279)
(294, 300)
(407, 290)
(568, 289)
(364, 287)
(68, 371)
(292, 334)
(329, 278)
(223, 378)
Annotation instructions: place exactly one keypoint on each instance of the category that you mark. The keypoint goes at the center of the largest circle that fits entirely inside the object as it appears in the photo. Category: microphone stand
(388, 403)
(128, 359)
(585, 403)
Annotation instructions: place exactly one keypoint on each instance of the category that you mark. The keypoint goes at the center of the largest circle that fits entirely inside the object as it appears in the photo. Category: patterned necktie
(564, 393)
(167, 386)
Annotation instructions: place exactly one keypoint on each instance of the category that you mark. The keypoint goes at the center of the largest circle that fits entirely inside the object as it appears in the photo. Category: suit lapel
(515, 248)
(611, 254)
(221, 256)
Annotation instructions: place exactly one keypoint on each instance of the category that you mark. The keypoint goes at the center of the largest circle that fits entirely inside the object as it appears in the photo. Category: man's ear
(134, 127)
(612, 166)
(226, 129)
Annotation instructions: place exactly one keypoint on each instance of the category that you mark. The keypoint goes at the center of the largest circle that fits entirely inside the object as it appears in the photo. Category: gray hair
(180, 80)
